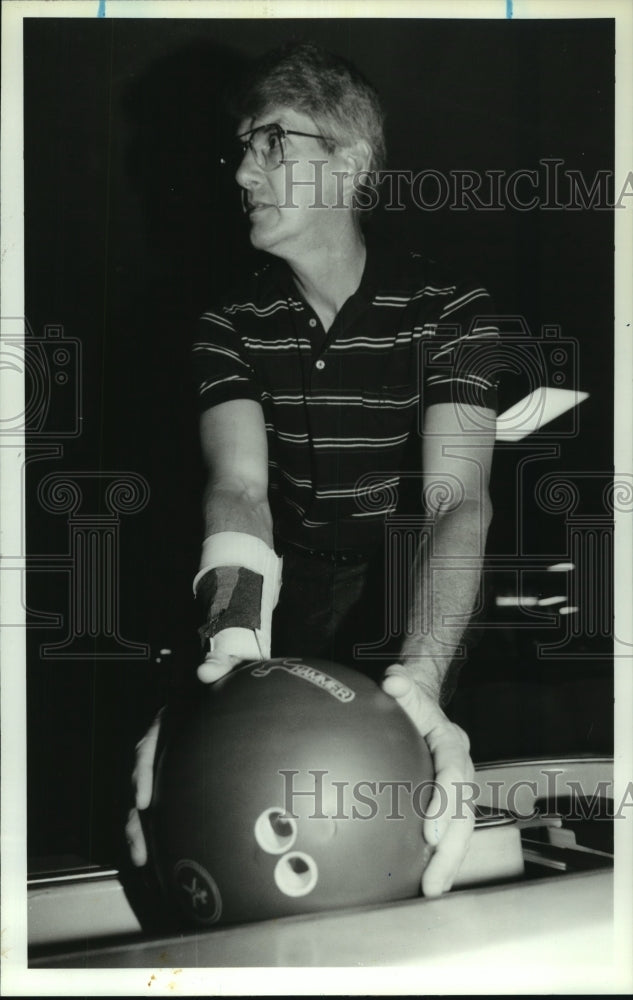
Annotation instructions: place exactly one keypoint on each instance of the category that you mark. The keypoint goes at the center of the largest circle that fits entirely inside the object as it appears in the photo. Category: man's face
(284, 214)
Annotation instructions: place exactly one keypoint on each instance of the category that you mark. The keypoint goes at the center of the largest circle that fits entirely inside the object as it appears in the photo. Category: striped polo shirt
(340, 407)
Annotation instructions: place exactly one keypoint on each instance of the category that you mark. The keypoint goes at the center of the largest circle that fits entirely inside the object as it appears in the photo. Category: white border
(17, 979)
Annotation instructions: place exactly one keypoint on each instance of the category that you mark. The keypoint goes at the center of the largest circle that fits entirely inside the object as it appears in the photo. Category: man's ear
(356, 159)
(357, 156)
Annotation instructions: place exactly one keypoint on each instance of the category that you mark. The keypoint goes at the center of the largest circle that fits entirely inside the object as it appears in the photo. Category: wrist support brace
(239, 582)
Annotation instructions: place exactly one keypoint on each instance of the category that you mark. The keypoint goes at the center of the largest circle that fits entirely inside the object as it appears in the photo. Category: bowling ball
(289, 786)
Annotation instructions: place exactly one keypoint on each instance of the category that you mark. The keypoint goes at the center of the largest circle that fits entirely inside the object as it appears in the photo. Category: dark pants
(327, 610)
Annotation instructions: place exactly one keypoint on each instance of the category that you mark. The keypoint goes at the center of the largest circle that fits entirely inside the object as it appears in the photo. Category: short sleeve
(221, 370)
(461, 354)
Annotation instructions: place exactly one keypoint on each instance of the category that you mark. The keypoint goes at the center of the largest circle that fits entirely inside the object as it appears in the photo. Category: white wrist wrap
(236, 548)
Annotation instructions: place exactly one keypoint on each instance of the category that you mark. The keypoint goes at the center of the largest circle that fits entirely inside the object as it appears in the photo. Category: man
(311, 377)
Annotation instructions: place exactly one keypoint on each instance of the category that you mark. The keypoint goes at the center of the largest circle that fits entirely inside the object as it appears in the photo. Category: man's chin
(257, 241)
(262, 237)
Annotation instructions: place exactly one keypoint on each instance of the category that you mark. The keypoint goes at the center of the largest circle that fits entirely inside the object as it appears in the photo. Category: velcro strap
(238, 582)
(231, 597)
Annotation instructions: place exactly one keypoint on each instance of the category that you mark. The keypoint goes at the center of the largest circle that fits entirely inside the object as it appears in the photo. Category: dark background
(131, 230)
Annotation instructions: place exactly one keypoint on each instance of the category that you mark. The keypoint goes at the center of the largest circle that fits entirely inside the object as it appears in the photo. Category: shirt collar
(281, 274)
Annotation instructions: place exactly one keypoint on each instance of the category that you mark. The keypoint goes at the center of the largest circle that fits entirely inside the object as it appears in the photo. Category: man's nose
(248, 171)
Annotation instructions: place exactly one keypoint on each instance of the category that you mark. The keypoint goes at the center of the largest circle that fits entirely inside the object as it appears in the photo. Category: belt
(336, 556)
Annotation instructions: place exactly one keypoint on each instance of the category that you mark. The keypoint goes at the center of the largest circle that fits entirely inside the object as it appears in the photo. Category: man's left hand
(451, 819)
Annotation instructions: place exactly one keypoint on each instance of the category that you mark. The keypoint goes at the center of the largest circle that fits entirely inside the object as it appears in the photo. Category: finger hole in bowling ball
(296, 874)
(274, 831)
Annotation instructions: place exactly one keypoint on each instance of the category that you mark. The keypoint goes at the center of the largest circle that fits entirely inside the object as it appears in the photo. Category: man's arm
(457, 455)
(234, 448)
(235, 452)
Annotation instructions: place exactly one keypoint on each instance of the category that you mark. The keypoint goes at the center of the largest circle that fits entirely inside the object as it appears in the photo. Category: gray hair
(334, 94)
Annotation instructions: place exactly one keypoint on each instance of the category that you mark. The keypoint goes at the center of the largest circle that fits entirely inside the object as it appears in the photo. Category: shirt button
(313, 322)
(320, 365)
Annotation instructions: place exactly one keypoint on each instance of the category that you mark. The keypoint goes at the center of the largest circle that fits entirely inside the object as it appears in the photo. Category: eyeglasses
(267, 144)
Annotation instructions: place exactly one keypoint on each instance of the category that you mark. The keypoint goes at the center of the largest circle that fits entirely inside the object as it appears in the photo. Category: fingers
(450, 816)
(397, 685)
(143, 774)
(142, 783)
(447, 858)
(136, 839)
(407, 694)
(215, 666)
(423, 711)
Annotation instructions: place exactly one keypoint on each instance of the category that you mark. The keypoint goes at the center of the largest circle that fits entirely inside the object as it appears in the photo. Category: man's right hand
(213, 667)
(142, 785)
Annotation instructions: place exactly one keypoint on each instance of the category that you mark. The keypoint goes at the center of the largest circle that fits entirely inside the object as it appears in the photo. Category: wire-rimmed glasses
(267, 144)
